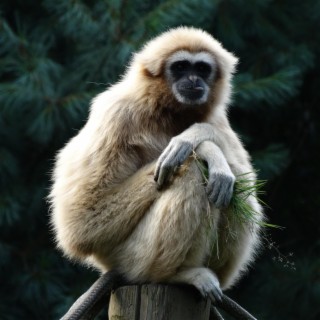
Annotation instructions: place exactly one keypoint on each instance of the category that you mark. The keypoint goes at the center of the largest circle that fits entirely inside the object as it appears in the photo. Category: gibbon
(128, 194)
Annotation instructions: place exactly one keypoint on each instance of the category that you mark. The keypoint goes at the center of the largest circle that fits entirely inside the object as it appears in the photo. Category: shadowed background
(55, 55)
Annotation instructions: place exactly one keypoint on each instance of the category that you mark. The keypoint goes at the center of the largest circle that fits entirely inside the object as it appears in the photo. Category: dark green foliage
(55, 55)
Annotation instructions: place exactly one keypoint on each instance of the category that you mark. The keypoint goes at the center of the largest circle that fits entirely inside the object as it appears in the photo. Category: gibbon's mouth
(192, 93)
(191, 86)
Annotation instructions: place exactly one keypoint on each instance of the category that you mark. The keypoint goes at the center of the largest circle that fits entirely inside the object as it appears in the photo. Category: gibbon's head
(188, 65)
(190, 76)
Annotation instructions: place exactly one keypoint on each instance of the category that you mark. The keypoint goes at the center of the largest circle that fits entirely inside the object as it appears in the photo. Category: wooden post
(158, 302)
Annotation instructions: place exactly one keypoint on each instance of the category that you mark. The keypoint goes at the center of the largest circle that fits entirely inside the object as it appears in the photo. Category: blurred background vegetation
(55, 55)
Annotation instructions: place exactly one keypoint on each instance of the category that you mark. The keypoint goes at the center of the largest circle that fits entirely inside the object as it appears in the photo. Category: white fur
(106, 209)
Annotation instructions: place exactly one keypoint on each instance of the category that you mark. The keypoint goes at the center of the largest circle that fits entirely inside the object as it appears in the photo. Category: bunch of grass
(245, 186)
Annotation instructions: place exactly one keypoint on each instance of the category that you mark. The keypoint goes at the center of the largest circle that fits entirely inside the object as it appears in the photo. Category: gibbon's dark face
(191, 76)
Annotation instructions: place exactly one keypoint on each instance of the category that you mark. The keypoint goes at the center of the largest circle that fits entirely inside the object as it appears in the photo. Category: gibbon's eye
(180, 66)
(203, 68)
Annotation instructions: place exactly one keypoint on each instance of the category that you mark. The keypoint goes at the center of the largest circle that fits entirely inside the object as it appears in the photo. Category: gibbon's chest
(148, 146)
(149, 134)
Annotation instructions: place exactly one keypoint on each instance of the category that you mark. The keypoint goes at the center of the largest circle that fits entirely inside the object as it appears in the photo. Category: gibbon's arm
(99, 193)
(217, 130)
(220, 178)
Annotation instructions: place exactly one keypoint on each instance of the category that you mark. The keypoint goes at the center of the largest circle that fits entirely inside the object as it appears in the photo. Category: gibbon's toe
(206, 282)
(215, 295)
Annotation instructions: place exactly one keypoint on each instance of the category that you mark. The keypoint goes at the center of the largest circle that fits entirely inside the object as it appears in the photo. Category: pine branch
(271, 161)
(272, 90)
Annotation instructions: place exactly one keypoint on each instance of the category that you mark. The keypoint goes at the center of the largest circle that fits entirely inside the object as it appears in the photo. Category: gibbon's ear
(152, 64)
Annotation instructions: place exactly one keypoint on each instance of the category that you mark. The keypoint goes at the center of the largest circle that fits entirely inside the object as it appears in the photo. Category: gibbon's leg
(165, 235)
(236, 246)
(104, 217)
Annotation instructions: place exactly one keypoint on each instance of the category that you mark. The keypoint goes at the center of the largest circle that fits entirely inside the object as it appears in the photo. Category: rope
(88, 305)
(215, 314)
(232, 308)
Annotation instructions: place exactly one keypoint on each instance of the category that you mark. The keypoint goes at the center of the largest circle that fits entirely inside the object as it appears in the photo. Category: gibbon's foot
(203, 279)
(171, 158)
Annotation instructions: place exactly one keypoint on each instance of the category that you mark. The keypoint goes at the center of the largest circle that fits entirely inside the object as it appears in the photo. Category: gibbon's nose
(195, 82)
(193, 78)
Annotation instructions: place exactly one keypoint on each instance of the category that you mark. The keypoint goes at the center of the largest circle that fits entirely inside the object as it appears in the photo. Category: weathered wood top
(158, 302)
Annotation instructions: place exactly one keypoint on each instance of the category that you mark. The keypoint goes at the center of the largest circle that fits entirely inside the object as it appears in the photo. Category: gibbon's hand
(220, 188)
(171, 158)
(221, 179)
(179, 149)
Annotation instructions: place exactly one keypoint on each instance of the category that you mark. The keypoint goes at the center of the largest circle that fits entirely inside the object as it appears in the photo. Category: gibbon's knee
(188, 186)
(179, 214)
(169, 230)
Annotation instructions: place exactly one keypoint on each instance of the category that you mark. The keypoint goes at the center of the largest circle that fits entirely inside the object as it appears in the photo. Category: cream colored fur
(106, 209)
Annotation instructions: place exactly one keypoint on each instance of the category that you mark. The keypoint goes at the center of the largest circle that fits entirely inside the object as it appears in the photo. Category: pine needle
(244, 188)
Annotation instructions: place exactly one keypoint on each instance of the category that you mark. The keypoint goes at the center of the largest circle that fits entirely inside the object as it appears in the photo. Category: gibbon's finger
(174, 154)
(165, 172)
(215, 296)
(161, 159)
(165, 169)
(213, 188)
(156, 173)
(178, 154)
(224, 192)
(229, 194)
(209, 190)
(182, 152)
(220, 189)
